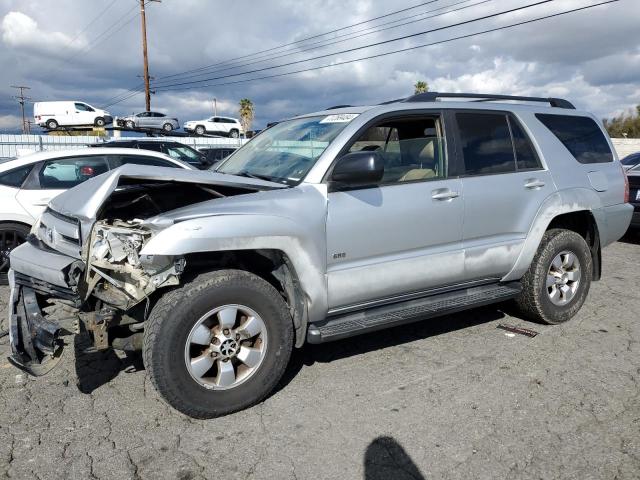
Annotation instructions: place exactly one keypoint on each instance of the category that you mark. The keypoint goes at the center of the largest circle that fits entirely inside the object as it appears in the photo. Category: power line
(415, 47)
(376, 44)
(389, 14)
(352, 37)
(369, 57)
(91, 22)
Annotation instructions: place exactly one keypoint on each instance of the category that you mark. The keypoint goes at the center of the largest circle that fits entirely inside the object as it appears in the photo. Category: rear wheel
(558, 280)
(52, 124)
(234, 134)
(218, 344)
(200, 130)
(11, 236)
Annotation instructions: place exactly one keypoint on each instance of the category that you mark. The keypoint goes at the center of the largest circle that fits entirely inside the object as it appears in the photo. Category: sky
(90, 50)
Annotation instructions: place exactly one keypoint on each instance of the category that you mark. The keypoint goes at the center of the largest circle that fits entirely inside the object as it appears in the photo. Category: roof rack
(483, 97)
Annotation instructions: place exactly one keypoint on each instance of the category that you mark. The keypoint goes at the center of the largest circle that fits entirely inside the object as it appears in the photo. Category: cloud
(10, 122)
(19, 31)
(591, 57)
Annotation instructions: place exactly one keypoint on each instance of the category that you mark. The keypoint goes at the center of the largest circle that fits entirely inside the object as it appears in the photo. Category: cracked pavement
(453, 397)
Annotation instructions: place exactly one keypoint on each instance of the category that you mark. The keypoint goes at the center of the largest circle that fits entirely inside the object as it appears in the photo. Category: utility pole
(21, 100)
(215, 107)
(147, 93)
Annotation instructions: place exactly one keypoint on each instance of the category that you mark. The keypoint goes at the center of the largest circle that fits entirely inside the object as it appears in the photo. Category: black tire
(167, 127)
(175, 314)
(99, 122)
(11, 235)
(200, 130)
(534, 301)
(234, 133)
(52, 124)
(129, 124)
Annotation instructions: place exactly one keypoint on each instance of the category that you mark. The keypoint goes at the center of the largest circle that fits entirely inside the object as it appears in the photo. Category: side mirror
(358, 169)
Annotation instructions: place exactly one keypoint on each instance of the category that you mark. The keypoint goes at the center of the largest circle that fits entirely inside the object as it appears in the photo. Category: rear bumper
(35, 341)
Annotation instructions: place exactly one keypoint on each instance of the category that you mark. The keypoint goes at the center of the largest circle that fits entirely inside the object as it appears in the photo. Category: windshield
(285, 152)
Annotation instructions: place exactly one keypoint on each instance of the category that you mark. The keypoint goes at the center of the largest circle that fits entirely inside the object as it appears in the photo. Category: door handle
(443, 194)
(534, 184)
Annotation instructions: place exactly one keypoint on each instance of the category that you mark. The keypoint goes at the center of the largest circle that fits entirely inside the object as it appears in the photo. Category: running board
(378, 318)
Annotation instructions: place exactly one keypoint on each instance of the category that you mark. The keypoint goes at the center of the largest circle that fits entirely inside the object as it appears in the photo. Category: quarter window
(486, 143)
(16, 177)
(412, 149)
(580, 135)
(68, 172)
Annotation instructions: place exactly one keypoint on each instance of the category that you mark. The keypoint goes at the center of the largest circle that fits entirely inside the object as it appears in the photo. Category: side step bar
(378, 318)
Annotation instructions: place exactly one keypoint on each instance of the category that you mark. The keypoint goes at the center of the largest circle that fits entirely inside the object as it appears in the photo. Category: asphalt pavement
(450, 398)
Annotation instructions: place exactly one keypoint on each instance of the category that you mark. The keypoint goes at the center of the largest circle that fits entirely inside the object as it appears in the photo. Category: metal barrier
(12, 146)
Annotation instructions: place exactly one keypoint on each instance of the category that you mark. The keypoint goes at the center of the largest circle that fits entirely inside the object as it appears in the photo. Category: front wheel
(12, 235)
(558, 280)
(218, 344)
(129, 124)
(167, 127)
(100, 122)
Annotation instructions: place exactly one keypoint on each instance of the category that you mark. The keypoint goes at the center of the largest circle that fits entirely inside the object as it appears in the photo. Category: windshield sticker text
(339, 118)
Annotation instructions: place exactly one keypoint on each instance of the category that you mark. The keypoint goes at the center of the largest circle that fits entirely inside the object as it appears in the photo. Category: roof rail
(338, 106)
(483, 97)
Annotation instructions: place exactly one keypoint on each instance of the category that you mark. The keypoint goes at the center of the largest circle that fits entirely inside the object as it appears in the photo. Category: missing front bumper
(36, 346)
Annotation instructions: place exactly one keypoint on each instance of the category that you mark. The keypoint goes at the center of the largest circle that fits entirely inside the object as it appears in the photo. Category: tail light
(88, 171)
(626, 185)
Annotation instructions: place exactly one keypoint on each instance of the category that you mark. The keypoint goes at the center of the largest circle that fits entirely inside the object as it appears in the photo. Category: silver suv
(325, 226)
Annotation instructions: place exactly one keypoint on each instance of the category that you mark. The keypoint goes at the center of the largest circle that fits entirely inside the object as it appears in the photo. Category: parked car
(176, 150)
(323, 227)
(215, 154)
(225, 126)
(154, 120)
(52, 115)
(634, 196)
(28, 183)
(631, 161)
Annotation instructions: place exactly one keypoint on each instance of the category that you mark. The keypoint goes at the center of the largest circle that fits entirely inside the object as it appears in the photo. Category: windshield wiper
(244, 173)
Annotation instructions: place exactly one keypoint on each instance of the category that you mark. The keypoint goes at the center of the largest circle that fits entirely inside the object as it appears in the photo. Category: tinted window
(138, 160)
(412, 149)
(83, 108)
(486, 143)
(632, 159)
(15, 177)
(154, 146)
(69, 172)
(580, 135)
(526, 157)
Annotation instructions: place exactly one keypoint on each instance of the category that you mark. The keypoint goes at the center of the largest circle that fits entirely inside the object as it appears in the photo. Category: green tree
(625, 125)
(420, 87)
(247, 113)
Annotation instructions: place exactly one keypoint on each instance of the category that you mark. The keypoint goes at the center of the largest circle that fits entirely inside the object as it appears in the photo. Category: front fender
(305, 247)
(561, 202)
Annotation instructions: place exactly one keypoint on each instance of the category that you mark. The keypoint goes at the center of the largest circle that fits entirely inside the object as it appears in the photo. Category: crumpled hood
(84, 201)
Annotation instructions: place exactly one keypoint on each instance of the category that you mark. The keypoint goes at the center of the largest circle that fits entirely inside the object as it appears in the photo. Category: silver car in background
(153, 120)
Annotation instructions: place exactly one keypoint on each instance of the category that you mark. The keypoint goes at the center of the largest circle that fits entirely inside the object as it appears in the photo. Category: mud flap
(35, 344)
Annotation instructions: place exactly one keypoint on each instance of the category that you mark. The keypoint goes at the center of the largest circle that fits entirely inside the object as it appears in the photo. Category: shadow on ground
(385, 458)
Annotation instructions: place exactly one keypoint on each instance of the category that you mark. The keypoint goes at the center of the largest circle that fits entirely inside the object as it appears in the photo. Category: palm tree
(420, 87)
(246, 113)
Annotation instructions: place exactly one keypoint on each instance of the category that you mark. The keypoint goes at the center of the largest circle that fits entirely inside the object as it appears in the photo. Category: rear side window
(486, 143)
(16, 177)
(580, 135)
(68, 172)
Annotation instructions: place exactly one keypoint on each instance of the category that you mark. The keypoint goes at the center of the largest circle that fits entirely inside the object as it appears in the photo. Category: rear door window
(486, 143)
(66, 173)
(140, 160)
(526, 157)
(580, 135)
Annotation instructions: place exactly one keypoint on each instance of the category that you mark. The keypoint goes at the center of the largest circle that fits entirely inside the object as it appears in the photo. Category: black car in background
(216, 154)
(174, 149)
(631, 161)
(634, 197)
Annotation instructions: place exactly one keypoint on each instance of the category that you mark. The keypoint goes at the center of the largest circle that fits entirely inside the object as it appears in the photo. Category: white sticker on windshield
(339, 118)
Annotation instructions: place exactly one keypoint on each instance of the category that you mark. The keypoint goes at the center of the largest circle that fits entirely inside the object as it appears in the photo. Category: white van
(52, 115)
